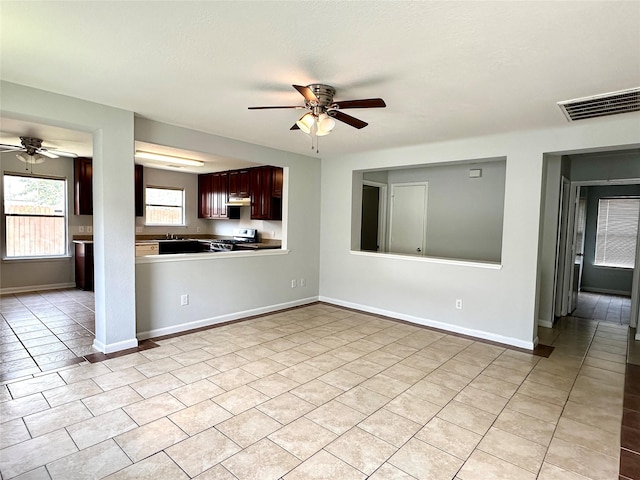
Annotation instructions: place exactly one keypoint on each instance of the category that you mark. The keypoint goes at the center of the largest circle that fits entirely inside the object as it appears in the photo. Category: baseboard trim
(115, 347)
(606, 291)
(207, 322)
(545, 323)
(36, 288)
(515, 342)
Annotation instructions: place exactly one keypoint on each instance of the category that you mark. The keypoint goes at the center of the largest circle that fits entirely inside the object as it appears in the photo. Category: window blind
(616, 232)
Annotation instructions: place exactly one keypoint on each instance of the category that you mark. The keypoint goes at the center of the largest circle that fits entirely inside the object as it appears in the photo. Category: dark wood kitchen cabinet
(82, 186)
(265, 203)
(84, 265)
(213, 194)
(139, 190)
(239, 181)
(204, 195)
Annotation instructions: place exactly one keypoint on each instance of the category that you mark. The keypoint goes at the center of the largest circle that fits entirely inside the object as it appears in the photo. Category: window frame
(65, 217)
(598, 245)
(182, 207)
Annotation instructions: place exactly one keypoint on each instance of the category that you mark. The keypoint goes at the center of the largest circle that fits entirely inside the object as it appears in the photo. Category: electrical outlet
(89, 229)
(303, 282)
(198, 229)
(81, 229)
(293, 283)
(459, 304)
(184, 299)
(138, 229)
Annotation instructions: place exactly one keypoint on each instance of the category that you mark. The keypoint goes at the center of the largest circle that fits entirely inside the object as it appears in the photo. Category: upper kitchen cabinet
(276, 188)
(139, 190)
(82, 186)
(266, 193)
(204, 195)
(239, 183)
(213, 195)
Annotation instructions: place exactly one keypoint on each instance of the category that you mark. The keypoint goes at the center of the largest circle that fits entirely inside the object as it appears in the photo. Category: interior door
(370, 216)
(560, 305)
(577, 247)
(408, 221)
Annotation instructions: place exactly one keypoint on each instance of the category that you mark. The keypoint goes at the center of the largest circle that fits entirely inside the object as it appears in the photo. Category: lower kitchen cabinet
(84, 265)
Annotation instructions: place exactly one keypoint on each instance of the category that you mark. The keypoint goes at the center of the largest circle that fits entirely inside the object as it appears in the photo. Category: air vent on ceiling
(612, 103)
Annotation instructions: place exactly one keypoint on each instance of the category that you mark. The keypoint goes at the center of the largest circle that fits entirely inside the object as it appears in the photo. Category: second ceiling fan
(322, 110)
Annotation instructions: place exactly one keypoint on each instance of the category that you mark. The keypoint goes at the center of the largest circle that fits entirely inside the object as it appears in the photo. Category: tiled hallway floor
(606, 308)
(321, 392)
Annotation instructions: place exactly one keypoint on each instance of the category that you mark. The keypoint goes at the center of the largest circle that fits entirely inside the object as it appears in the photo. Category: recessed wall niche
(447, 210)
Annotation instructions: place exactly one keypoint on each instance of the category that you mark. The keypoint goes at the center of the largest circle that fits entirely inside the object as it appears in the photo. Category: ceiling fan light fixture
(156, 157)
(305, 123)
(30, 159)
(325, 125)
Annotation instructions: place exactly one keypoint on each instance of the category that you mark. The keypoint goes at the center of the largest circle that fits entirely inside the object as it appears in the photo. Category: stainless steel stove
(240, 236)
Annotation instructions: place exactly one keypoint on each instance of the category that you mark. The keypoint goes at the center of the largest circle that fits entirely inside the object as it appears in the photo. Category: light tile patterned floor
(607, 308)
(321, 392)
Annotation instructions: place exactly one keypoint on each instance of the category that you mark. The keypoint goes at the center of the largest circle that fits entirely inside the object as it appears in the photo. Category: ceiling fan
(33, 150)
(322, 110)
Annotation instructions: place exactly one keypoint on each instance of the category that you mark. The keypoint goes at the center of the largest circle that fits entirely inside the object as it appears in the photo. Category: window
(164, 206)
(35, 211)
(616, 232)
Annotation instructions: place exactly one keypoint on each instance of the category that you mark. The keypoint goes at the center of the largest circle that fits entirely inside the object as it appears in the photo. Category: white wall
(499, 304)
(113, 199)
(223, 287)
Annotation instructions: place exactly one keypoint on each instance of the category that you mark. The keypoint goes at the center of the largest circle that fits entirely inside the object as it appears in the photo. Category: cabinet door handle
(418, 249)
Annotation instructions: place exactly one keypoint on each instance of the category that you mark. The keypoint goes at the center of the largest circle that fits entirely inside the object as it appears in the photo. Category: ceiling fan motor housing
(323, 92)
(31, 144)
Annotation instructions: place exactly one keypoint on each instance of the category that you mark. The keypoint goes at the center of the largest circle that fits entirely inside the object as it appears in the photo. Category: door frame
(382, 212)
(426, 200)
(559, 304)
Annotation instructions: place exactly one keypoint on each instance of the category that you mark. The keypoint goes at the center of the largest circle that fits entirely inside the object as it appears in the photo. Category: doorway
(586, 287)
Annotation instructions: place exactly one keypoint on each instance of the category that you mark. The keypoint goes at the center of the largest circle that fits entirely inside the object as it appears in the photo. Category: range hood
(238, 202)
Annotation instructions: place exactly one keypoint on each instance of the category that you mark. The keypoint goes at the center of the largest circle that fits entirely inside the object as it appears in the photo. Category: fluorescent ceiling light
(169, 159)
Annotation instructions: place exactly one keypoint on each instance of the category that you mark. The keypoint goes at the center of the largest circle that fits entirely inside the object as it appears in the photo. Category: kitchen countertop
(146, 239)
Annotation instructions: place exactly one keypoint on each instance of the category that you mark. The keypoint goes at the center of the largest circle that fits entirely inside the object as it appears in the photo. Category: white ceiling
(446, 69)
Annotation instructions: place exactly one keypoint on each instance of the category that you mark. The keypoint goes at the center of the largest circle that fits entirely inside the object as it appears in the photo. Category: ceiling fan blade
(46, 153)
(10, 148)
(295, 127)
(61, 153)
(365, 103)
(297, 107)
(348, 119)
(307, 93)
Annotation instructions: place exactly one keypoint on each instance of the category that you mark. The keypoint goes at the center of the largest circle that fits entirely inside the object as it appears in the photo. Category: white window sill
(170, 225)
(57, 258)
(612, 267)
